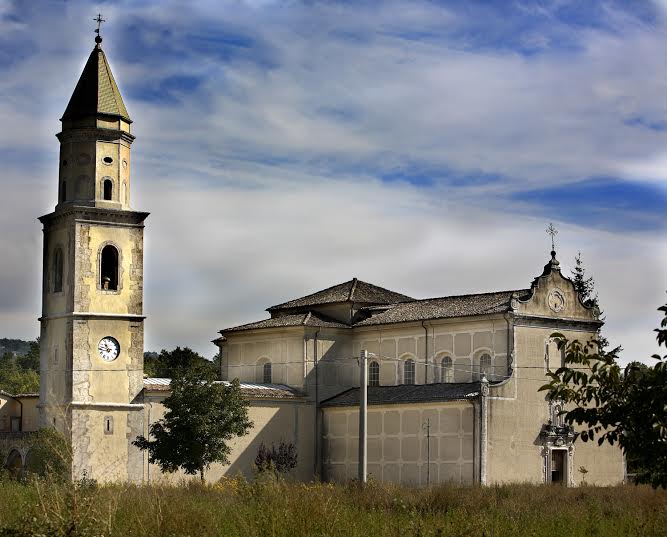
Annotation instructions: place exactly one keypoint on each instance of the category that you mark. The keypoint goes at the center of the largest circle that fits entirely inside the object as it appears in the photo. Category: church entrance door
(559, 466)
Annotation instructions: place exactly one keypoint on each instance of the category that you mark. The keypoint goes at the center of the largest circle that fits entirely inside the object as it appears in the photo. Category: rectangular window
(374, 374)
(108, 425)
(16, 425)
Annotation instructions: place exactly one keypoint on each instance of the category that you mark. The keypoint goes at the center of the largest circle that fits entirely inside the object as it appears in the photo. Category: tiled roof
(353, 291)
(250, 390)
(445, 307)
(299, 319)
(96, 92)
(18, 395)
(419, 393)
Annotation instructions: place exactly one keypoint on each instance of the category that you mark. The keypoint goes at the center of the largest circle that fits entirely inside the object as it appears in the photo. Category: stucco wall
(464, 341)
(397, 443)
(274, 421)
(102, 451)
(9, 408)
(516, 413)
(245, 355)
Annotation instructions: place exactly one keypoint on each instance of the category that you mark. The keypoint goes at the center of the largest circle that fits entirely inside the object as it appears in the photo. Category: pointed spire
(96, 93)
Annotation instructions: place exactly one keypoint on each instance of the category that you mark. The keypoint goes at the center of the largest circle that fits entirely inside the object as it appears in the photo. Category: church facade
(453, 381)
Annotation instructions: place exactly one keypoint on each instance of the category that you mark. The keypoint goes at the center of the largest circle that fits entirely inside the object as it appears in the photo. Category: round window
(107, 160)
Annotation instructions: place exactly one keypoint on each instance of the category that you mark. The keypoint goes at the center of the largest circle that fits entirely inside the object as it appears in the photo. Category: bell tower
(92, 329)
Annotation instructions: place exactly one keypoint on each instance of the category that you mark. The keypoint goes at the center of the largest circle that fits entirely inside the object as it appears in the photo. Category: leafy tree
(280, 460)
(14, 379)
(585, 287)
(171, 363)
(202, 416)
(625, 406)
(49, 454)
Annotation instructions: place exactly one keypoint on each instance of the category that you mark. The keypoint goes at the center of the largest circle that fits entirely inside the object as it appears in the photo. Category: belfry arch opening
(109, 268)
(107, 189)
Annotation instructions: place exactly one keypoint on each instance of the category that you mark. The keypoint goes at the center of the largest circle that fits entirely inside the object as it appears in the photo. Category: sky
(283, 147)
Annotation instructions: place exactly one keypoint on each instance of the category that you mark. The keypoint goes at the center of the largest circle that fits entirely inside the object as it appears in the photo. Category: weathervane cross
(551, 230)
(99, 20)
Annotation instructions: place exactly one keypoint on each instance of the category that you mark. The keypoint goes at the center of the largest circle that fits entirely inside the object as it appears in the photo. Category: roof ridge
(460, 296)
(308, 295)
(353, 289)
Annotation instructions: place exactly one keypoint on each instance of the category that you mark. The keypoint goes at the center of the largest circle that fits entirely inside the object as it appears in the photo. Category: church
(452, 381)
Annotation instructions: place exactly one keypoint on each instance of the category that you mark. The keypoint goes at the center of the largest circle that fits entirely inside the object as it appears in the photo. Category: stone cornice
(94, 315)
(95, 215)
(98, 133)
(537, 321)
(110, 406)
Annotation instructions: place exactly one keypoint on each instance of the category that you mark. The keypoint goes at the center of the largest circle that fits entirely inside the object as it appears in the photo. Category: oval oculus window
(107, 160)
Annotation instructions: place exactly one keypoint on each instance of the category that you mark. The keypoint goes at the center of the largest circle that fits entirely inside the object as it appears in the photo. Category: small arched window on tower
(409, 372)
(447, 370)
(63, 191)
(108, 189)
(57, 270)
(485, 366)
(109, 268)
(267, 377)
(373, 374)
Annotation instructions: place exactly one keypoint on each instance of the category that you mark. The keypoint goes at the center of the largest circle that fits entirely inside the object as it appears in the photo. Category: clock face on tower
(108, 349)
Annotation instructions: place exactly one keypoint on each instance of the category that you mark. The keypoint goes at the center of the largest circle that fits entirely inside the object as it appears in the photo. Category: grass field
(239, 508)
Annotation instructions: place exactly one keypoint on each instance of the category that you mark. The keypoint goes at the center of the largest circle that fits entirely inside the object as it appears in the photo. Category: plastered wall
(245, 356)
(274, 421)
(102, 449)
(516, 413)
(398, 443)
(463, 341)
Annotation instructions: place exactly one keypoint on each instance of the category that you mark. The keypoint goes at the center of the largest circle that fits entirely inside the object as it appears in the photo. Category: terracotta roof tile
(396, 395)
(442, 308)
(352, 291)
(250, 390)
(298, 319)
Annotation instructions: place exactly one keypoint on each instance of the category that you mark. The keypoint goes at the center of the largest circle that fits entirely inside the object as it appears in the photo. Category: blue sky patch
(604, 202)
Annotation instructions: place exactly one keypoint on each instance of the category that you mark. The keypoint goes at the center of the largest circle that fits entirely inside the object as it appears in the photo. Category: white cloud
(263, 181)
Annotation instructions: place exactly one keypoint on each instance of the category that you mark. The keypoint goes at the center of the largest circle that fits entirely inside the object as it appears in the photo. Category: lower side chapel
(453, 381)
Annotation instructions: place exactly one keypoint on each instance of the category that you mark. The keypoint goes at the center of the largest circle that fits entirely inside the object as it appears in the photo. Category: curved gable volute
(554, 295)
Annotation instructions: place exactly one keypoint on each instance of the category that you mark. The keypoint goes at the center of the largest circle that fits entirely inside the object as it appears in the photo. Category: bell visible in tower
(95, 139)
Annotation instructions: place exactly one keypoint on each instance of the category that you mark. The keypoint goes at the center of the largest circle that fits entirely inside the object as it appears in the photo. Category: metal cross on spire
(99, 20)
(551, 230)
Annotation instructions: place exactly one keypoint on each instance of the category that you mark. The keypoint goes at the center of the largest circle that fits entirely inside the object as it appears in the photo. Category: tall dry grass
(235, 507)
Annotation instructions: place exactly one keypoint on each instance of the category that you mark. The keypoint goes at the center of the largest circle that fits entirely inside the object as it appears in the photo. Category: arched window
(409, 372)
(63, 191)
(554, 358)
(108, 189)
(109, 268)
(373, 374)
(485, 366)
(447, 369)
(266, 370)
(57, 270)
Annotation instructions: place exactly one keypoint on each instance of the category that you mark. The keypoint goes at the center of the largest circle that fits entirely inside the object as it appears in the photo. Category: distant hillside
(15, 346)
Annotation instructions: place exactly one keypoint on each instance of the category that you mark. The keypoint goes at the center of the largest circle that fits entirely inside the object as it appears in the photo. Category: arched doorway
(14, 464)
